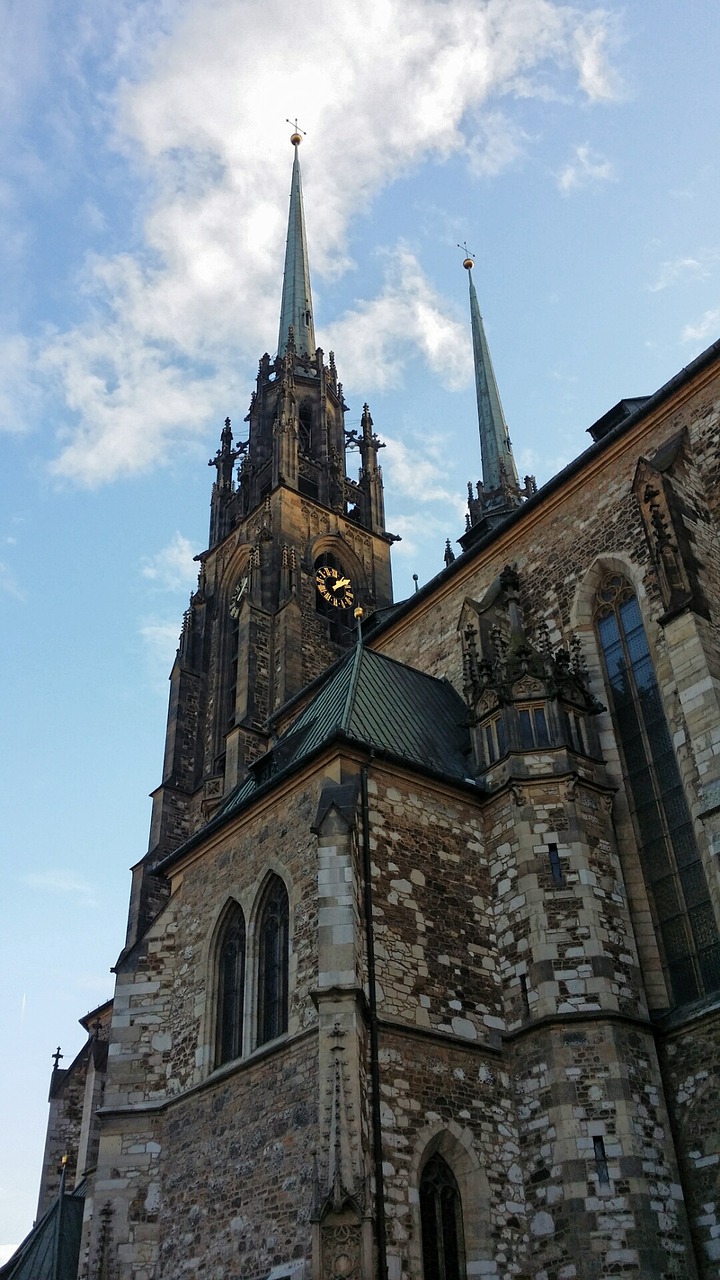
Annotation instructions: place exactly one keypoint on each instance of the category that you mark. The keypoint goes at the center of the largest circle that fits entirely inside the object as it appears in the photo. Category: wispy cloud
(160, 637)
(685, 268)
(173, 567)
(495, 145)
(167, 325)
(586, 168)
(65, 883)
(20, 393)
(9, 585)
(708, 326)
(419, 470)
(408, 317)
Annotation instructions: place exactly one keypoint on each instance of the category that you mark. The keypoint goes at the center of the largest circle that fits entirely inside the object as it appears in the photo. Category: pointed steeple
(499, 492)
(498, 464)
(296, 308)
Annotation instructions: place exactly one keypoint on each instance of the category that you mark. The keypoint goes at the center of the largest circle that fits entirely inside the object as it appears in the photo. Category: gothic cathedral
(422, 971)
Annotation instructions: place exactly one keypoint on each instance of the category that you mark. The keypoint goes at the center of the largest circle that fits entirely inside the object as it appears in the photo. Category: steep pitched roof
(296, 306)
(52, 1249)
(379, 703)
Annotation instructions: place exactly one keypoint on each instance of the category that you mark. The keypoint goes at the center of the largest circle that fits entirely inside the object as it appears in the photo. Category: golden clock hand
(341, 582)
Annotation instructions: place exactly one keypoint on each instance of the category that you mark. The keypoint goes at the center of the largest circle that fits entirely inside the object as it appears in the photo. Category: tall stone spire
(499, 492)
(497, 457)
(296, 308)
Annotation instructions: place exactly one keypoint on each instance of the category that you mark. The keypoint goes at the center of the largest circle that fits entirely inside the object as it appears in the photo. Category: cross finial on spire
(469, 260)
(297, 134)
(56, 1058)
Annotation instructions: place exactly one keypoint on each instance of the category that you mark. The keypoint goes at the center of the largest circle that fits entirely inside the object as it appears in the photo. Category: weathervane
(298, 134)
(469, 261)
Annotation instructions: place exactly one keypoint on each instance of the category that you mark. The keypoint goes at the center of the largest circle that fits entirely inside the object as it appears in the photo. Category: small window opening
(495, 740)
(524, 993)
(601, 1163)
(556, 870)
(574, 730)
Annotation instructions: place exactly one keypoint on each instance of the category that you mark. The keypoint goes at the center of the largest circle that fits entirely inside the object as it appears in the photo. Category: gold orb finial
(296, 136)
(359, 612)
(469, 261)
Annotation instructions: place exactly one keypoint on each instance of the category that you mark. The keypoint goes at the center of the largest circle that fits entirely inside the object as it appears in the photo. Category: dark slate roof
(379, 703)
(52, 1249)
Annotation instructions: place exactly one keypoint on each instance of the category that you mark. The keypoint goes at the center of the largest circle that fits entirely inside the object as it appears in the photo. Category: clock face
(237, 597)
(334, 587)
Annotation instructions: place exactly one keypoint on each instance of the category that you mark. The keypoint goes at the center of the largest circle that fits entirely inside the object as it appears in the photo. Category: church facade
(422, 972)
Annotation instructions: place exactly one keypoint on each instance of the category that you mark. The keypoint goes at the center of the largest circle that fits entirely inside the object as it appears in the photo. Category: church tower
(499, 492)
(295, 546)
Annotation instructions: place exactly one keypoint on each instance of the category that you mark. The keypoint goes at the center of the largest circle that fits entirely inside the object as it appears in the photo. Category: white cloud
(403, 80)
(62, 882)
(596, 76)
(161, 642)
(419, 530)
(9, 584)
(173, 567)
(408, 317)
(708, 326)
(586, 168)
(19, 391)
(419, 469)
(679, 270)
(495, 144)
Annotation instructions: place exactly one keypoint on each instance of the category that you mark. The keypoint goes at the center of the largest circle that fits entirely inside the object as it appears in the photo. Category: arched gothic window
(305, 422)
(669, 855)
(231, 987)
(441, 1222)
(273, 963)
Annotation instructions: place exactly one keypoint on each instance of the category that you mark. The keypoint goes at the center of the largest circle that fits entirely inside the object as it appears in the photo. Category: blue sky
(143, 196)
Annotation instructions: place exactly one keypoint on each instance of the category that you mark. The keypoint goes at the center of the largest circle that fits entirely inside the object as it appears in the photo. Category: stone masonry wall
(434, 936)
(163, 1039)
(237, 1170)
(689, 1061)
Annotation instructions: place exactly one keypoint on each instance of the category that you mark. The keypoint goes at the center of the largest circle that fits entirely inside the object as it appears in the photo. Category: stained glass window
(273, 963)
(441, 1220)
(231, 987)
(670, 858)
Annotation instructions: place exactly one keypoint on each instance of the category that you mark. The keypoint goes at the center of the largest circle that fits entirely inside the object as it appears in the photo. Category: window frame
(440, 1200)
(229, 1032)
(660, 812)
(272, 1015)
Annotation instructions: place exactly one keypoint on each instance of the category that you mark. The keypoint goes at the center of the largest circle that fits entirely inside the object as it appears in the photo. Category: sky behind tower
(143, 201)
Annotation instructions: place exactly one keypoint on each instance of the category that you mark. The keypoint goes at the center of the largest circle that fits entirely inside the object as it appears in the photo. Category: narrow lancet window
(441, 1221)
(273, 963)
(669, 854)
(231, 987)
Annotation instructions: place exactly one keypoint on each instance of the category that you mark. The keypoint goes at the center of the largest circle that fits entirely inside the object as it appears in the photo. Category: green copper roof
(497, 455)
(52, 1249)
(296, 307)
(378, 703)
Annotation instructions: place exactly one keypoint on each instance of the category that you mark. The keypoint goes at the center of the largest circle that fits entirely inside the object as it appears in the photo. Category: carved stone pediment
(527, 687)
(665, 488)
